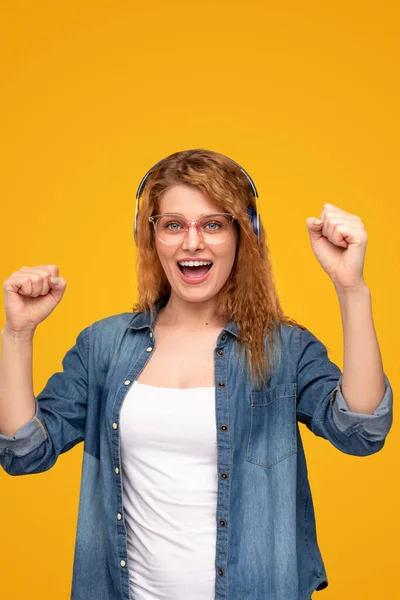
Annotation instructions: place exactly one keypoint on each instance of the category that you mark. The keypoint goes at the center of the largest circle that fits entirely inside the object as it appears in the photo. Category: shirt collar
(146, 319)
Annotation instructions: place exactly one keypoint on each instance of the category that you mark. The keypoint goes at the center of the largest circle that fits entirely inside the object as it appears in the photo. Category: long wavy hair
(249, 297)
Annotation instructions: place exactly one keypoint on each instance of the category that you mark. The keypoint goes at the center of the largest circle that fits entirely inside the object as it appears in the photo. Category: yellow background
(306, 97)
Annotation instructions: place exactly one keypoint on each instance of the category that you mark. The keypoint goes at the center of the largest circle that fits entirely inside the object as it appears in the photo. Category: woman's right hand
(30, 296)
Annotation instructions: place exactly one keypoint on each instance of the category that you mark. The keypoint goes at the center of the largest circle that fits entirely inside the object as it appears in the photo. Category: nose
(193, 240)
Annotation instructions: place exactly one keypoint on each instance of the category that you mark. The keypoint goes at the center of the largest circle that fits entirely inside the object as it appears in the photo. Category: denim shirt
(266, 544)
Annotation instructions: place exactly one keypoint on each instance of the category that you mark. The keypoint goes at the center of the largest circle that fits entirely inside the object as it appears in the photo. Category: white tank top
(169, 478)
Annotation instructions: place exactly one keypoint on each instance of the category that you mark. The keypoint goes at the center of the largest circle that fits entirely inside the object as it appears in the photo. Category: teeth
(194, 263)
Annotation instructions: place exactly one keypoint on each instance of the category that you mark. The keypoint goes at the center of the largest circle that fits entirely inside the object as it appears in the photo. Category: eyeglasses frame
(154, 218)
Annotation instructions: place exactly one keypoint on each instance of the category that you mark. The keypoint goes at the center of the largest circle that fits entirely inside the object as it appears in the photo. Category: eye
(212, 226)
(173, 226)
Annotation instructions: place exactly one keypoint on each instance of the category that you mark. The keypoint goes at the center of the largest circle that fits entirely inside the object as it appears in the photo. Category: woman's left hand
(339, 242)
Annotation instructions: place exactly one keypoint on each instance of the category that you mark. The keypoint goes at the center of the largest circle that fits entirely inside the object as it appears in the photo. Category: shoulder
(118, 320)
(291, 334)
(301, 343)
(296, 338)
(108, 337)
(116, 325)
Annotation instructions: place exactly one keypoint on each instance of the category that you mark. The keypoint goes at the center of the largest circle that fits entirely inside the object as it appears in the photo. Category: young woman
(194, 483)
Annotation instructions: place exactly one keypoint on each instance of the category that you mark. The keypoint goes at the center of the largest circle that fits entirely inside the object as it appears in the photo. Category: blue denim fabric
(268, 548)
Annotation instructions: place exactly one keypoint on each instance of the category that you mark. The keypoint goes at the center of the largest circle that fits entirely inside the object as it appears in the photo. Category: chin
(195, 296)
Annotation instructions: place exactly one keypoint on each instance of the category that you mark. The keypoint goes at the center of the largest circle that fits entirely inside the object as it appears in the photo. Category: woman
(194, 482)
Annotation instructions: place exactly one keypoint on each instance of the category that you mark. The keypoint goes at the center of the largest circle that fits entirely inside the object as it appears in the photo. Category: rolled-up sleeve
(374, 426)
(59, 420)
(27, 438)
(323, 409)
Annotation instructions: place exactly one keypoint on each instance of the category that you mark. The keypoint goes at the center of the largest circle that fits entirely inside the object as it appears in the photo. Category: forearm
(363, 384)
(17, 400)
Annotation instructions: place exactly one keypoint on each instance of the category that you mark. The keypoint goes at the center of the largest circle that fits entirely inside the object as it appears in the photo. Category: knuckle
(51, 269)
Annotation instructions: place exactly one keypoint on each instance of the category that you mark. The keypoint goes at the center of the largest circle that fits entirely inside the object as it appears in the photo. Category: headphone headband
(254, 215)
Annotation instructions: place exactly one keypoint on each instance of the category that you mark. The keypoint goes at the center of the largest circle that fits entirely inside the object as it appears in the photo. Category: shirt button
(224, 475)
(127, 382)
(224, 428)
(115, 425)
(122, 563)
(151, 334)
(116, 470)
(149, 349)
(222, 523)
(221, 384)
(220, 352)
(221, 572)
(119, 516)
(223, 337)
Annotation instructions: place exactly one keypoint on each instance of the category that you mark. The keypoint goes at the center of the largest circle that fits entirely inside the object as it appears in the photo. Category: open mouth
(194, 269)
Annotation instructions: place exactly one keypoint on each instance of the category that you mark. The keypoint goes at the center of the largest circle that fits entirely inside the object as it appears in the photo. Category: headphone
(253, 213)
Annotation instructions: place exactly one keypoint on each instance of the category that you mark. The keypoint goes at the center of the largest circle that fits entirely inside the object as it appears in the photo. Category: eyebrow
(215, 212)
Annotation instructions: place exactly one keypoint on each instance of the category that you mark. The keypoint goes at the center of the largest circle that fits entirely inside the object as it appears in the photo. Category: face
(203, 283)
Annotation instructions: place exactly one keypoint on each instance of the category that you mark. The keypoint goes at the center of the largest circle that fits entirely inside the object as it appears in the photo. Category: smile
(194, 271)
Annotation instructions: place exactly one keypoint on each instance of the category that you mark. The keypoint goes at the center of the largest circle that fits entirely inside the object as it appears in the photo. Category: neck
(190, 315)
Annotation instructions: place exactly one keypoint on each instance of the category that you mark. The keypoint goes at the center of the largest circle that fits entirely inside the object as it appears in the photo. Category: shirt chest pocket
(273, 435)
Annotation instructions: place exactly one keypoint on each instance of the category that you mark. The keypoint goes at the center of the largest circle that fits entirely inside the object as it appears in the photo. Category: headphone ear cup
(254, 220)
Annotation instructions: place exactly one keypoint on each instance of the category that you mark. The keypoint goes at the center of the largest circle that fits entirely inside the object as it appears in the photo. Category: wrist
(358, 290)
(15, 335)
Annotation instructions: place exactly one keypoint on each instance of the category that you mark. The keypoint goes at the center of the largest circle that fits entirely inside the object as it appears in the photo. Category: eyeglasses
(171, 228)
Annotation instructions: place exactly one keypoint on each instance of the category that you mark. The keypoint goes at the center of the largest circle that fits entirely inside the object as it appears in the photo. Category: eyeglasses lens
(171, 229)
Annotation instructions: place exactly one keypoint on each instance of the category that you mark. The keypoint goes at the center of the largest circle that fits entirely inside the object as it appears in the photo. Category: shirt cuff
(374, 427)
(28, 437)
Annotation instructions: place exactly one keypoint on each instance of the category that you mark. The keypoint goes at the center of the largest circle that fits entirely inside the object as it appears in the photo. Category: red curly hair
(249, 297)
